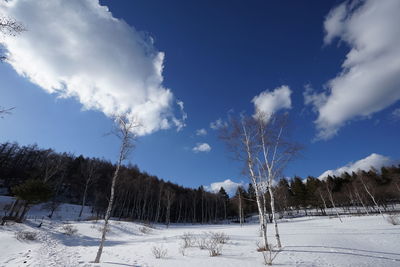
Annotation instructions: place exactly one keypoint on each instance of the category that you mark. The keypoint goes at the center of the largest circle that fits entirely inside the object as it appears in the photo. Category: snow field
(307, 241)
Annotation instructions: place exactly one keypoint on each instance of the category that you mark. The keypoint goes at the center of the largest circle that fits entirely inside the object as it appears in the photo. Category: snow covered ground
(307, 241)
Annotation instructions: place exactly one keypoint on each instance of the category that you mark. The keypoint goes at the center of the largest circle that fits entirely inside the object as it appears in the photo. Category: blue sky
(217, 56)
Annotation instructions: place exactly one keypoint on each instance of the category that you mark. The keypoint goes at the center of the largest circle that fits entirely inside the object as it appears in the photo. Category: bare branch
(5, 111)
(10, 27)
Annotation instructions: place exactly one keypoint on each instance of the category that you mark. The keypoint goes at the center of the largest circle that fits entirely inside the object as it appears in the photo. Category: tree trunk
(84, 198)
(240, 210)
(362, 202)
(108, 213)
(24, 212)
(372, 197)
(278, 239)
(333, 203)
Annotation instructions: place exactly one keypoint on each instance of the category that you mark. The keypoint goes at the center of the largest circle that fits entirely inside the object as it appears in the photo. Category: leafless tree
(276, 152)
(52, 164)
(169, 196)
(89, 173)
(262, 143)
(241, 139)
(329, 191)
(369, 189)
(124, 131)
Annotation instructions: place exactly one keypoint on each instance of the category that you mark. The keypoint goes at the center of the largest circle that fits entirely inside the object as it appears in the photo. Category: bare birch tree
(329, 191)
(88, 171)
(370, 192)
(241, 137)
(276, 152)
(261, 142)
(124, 131)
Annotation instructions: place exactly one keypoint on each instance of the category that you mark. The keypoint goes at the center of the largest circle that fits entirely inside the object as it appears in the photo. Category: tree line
(86, 181)
(141, 196)
(361, 192)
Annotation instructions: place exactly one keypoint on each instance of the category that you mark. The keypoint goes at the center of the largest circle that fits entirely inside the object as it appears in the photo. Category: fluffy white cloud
(374, 160)
(229, 186)
(269, 102)
(76, 48)
(201, 132)
(202, 147)
(370, 76)
(218, 124)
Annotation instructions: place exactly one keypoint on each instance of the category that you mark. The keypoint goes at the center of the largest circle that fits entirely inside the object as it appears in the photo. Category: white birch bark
(124, 132)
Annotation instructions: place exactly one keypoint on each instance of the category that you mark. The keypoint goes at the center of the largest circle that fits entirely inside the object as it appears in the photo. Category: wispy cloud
(218, 124)
(77, 49)
(201, 132)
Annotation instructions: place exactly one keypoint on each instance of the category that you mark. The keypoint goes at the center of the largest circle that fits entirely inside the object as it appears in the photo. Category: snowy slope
(308, 241)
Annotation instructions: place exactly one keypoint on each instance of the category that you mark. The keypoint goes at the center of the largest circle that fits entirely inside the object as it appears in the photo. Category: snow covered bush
(220, 237)
(26, 236)
(213, 247)
(69, 229)
(159, 252)
(214, 242)
(182, 249)
(201, 242)
(188, 240)
(144, 230)
(393, 219)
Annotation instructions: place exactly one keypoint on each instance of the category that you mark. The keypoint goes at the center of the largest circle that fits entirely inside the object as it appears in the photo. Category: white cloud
(202, 147)
(180, 123)
(218, 124)
(374, 160)
(229, 186)
(201, 132)
(76, 48)
(370, 76)
(269, 102)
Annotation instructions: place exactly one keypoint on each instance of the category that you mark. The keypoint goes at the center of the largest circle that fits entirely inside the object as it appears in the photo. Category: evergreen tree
(31, 192)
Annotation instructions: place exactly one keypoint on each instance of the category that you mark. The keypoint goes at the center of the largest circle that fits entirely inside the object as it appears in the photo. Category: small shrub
(270, 254)
(213, 242)
(188, 240)
(145, 230)
(393, 219)
(69, 229)
(100, 229)
(182, 249)
(260, 247)
(159, 252)
(213, 247)
(220, 237)
(201, 242)
(26, 236)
